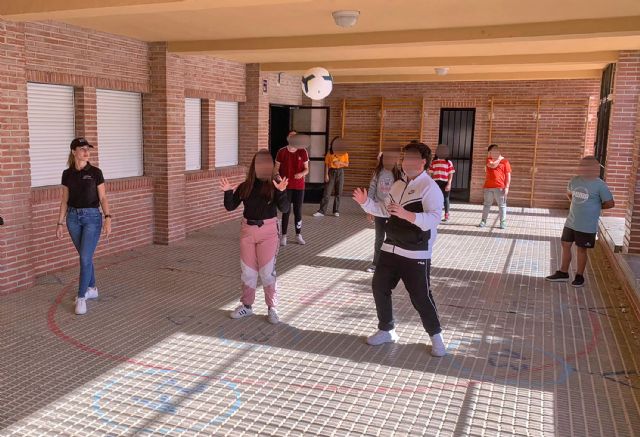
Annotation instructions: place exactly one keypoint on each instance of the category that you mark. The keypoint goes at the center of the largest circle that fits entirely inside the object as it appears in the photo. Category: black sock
(247, 306)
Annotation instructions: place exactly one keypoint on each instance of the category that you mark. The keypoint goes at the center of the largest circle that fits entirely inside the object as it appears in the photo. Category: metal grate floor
(157, 353)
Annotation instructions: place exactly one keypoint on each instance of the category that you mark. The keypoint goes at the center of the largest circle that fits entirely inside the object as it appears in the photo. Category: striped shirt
(441, 169)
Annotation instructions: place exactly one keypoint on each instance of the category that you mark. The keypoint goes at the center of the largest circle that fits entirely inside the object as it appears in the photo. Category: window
(119, 133)
(226, 133)
(50, 112)
(192, 135)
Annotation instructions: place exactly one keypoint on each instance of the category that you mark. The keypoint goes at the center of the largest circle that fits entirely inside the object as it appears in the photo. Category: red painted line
(56, 330)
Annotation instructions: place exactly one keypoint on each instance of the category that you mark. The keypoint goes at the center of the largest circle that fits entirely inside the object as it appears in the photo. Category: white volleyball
(317, 83)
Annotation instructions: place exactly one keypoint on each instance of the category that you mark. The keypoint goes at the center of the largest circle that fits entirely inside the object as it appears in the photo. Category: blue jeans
(85, 226)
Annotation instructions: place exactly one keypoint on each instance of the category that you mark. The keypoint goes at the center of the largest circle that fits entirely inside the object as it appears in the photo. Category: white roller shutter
(50, 111)
(192, 134)
(120, 133)
(226, 133)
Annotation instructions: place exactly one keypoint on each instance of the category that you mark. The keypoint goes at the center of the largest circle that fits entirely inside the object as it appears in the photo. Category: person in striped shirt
(441, 171)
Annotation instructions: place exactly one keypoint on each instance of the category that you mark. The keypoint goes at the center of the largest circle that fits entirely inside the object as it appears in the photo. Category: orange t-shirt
(497, 177)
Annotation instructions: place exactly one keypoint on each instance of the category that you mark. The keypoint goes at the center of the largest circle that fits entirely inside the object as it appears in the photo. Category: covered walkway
(157, 353)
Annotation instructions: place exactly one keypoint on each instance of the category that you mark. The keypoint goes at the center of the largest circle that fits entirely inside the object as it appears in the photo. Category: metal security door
(456, 131)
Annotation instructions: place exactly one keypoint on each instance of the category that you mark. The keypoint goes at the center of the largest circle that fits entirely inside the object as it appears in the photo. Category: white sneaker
(438, 348)
(240, 312)
(382, 337)
(318, 214)
(92, 293)
(300, 240)
(283, 240)
(336, 214)
(272, 317)
(371, 269)
(81, 305)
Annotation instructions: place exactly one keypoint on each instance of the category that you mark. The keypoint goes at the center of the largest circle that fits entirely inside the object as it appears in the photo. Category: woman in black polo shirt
(262, 198)
(82, 195)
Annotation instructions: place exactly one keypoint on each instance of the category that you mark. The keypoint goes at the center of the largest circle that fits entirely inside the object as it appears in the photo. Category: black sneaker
(578, 281)
(558, 276)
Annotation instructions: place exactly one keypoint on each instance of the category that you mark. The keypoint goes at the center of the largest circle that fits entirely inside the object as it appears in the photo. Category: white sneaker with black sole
(382, 337)
(240, 312)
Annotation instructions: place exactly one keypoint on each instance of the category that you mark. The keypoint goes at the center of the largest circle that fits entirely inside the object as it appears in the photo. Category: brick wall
(254, 113)
(287, 92)
(632, 216)
(254, 118)
(562, 124)
(622, 129)
(65, 54)
(15, 180)
(146, 209)
(623, 149)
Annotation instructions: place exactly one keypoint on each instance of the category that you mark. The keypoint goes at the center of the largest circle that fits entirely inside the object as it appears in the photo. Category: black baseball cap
(80, 142)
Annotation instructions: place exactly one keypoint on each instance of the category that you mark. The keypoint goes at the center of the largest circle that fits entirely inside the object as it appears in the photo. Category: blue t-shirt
(587, 196)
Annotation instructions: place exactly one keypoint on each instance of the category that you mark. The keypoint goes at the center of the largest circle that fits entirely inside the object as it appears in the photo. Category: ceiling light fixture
(442, 71)
(345, 18)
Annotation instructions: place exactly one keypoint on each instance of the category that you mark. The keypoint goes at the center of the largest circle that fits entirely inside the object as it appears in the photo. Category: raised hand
(225, 185)
(282, 185)
(360, 195)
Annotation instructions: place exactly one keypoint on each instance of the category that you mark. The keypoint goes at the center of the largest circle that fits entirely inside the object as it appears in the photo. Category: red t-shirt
(497, 177)
(292, 163)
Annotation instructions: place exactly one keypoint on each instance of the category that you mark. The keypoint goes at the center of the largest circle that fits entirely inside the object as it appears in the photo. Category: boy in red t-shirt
(292, 162)
(496, 185)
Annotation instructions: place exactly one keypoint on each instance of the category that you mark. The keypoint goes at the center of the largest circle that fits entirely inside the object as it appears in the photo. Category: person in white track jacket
(414, 206)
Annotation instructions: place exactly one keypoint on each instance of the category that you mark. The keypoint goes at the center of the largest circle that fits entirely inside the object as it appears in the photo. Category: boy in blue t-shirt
(589, 195)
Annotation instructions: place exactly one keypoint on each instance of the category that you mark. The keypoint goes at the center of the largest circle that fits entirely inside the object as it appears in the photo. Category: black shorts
(582, 239)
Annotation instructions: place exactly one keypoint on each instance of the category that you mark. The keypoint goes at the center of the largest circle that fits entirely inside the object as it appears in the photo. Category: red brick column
(16, 271)
(87, 118)
(632, 217)
(163, 126)
(622, 130)
(253, 117)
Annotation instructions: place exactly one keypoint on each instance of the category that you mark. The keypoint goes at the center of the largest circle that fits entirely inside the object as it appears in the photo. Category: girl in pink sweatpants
(259, 235)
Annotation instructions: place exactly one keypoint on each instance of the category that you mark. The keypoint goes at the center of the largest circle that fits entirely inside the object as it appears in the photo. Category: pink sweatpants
(258, 250)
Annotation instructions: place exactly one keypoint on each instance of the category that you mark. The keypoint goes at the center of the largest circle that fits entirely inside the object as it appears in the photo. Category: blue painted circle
(164, 405)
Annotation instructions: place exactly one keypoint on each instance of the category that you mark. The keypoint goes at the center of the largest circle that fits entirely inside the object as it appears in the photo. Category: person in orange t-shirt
(496, 185)
(334, 164)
